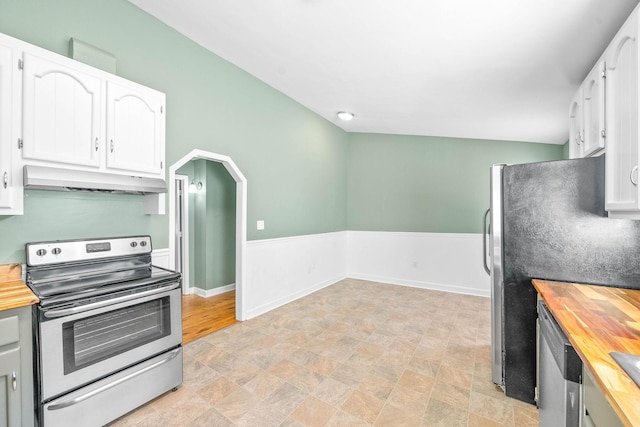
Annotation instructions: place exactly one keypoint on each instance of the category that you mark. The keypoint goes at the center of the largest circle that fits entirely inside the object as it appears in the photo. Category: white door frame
(186, 283)
(241, 217)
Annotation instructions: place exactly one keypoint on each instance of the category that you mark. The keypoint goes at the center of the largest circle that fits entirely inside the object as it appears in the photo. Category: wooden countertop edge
(615, 398)
(14, 293)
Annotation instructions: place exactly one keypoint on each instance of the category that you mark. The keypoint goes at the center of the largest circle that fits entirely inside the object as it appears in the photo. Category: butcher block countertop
(598, 320)
(14, 292)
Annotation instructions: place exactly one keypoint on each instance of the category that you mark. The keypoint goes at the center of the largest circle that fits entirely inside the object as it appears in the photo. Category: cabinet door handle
(579, 138)
(97, 145)
(634, 182)
(111, 146)
(5, 180)
(14, 381)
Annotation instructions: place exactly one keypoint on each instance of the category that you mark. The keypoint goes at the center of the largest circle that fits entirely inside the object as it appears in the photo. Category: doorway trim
(241, 216)
(184, 256)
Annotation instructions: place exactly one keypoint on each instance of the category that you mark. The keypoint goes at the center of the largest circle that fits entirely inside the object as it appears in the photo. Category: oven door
(83, 344)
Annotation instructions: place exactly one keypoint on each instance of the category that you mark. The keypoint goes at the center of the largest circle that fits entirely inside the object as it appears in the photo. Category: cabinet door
(594, 93)
(135, 129)
(10, 403)
(6, 96)
(61, 113)
(622, 120)
(576, 131)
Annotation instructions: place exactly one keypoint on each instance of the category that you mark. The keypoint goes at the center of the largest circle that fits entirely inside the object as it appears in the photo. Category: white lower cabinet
(596, 411)
(16, 368)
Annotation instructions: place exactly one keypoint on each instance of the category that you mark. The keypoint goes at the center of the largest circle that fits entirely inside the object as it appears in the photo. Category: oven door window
(92, 339)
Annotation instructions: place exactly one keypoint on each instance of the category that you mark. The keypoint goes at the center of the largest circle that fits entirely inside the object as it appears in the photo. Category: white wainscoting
(282, 270)
(160, 257)
(447, 262)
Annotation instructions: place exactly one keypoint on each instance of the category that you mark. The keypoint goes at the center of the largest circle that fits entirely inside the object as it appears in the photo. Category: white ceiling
(491, 69)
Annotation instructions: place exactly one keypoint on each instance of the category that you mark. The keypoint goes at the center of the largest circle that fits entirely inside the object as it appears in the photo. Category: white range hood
(47, 178)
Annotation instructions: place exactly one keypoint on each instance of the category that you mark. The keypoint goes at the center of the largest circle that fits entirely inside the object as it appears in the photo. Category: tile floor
(356, 353)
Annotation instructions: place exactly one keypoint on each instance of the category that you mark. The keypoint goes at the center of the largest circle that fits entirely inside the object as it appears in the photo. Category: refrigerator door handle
(484, 241)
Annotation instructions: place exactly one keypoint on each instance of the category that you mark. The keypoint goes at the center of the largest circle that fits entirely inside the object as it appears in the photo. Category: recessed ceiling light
(345, 115)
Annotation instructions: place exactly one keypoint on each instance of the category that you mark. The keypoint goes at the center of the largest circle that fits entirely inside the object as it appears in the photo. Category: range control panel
(59, 251)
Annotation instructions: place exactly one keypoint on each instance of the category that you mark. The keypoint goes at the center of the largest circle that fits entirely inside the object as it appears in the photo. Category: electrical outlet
(260, 225)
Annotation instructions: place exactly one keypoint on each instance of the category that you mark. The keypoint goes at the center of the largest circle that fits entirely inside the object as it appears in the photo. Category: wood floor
(201, 316)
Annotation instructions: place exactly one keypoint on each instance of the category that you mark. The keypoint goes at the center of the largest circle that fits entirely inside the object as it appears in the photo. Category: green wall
(220, 189)
(294, 160)
(212, 225)
(296, 163)
(427, 184)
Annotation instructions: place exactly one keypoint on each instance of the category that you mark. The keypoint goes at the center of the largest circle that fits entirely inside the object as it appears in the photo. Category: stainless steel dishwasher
(559, 376)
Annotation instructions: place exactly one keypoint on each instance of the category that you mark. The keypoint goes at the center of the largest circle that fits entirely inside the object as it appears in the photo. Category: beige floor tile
(418, 382)
(350, 374)
(243, 373)
(412, 401)
(441, 414)
(286, 398)
(237, 404)
(376, 386)
(263, 415)
(323, 365)
(451, 394)
(453, 376)
(363, 406)
(500, 410)
(424, 366)
(264, 384)
(345, 419)
(333, 392)
(525, 416)
(394, 416)
(285, 369)
(217, 389)
(478, 421)
(313, 412)
(306, 380)
(355, 353)
(209, 418)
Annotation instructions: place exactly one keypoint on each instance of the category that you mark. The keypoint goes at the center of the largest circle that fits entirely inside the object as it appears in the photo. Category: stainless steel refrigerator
(547, 220)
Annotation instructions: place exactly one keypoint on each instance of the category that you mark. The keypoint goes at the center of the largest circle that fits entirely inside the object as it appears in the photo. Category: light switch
(260, 225)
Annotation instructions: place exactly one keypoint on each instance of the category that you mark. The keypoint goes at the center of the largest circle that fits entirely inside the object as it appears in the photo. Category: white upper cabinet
(10, 175)
(576, 129)
(135, 128)
(62, 110)
(593, 91)
(587, 130)
(622, 122)
(58, 112)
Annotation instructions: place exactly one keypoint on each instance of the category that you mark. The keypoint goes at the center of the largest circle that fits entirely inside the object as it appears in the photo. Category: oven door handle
(66, 403)
(52, 314)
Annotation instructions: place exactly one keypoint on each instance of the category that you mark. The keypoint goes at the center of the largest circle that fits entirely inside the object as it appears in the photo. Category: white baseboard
(207, 293)
(440, 261)
(256, 311)
(282, 270)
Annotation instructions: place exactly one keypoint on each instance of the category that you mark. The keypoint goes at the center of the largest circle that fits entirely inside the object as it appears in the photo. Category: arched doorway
(241, 216)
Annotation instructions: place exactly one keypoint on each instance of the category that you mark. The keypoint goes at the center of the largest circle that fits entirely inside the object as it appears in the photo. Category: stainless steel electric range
(108, 328)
